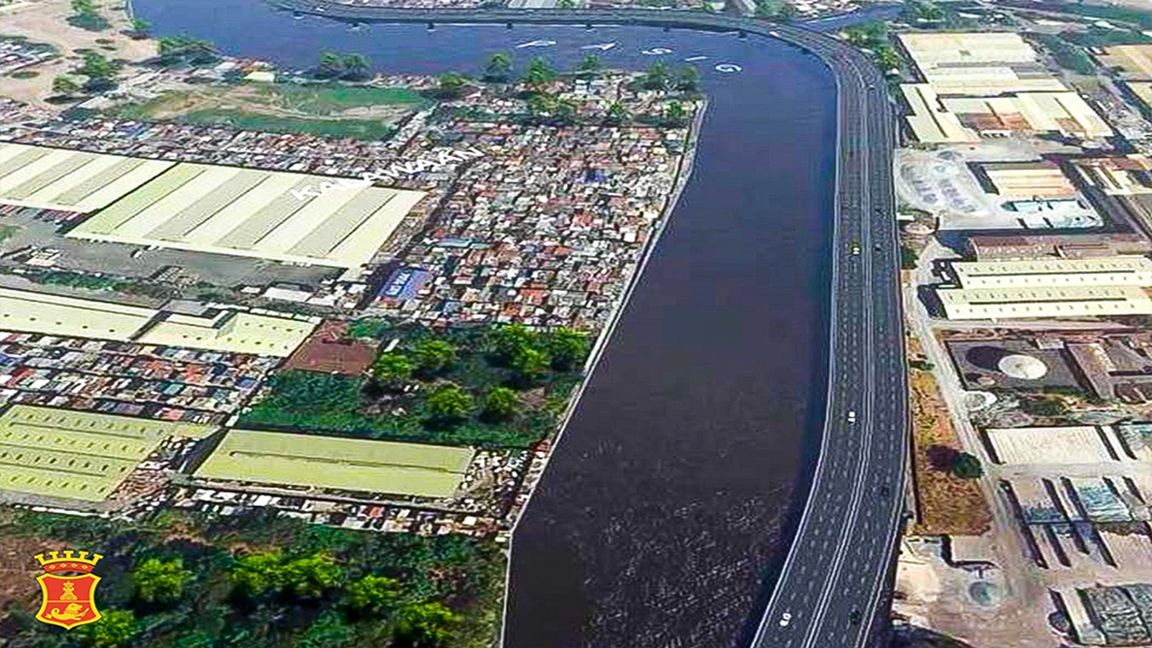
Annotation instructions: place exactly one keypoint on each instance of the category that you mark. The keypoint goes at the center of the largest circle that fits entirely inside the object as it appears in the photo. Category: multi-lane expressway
(834, 589)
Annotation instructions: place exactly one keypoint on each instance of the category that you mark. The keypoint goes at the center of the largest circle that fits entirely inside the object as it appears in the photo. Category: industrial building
(1054, 445)
(930, 122)
(1040, 179)
(216, 329)
(1132, 62)
(77, 455)
(1045, 302)
(274, 215)
(317, 462)
(993, 247)
(1065, 113)
(66, 180)
(1129, 270)
(978, 63)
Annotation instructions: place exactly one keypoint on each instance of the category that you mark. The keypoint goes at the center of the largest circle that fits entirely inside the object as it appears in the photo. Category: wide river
(669, 505)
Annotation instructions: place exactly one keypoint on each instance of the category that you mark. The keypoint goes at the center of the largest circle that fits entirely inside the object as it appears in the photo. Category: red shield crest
(68, 601)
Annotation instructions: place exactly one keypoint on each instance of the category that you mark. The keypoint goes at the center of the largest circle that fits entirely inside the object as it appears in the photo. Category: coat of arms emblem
(68, 587)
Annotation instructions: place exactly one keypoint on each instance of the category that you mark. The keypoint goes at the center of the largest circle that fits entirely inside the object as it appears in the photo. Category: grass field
(327, 110)
(337, 463)
(76, 455)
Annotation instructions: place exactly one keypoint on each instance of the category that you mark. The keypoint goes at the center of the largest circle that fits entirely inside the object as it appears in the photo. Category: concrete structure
(1042, 179)
(1043, 303)
(1107, 271)
(1129, 175)
(77, 455)
(1142, 90)
(258, 457)
(216, 329)
(1023, 367)
(274, 215)
(1063, 112)
(930, 122)
(47, 178)
(1048, 445)
(992, 247)
(978, 63)
(1133, 62)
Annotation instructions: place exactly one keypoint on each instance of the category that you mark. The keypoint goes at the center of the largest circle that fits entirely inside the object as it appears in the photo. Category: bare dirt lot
(46, 21)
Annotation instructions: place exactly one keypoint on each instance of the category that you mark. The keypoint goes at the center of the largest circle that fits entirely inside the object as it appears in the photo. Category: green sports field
(77, 455)
(260, 457)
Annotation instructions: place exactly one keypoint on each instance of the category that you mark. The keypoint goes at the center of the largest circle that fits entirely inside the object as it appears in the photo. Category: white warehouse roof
(1129, 270)
(1040, 303)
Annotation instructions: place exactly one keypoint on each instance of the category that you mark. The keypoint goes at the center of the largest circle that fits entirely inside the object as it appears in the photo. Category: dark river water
(669, 504)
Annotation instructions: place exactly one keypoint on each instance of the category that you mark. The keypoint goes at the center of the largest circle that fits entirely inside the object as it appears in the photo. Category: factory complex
(358, 465)
(217, 329)
(77, 455)
(280, 216)
(985, 84)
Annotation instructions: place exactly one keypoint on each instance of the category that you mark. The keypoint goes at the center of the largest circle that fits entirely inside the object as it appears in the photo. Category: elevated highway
(834, 590)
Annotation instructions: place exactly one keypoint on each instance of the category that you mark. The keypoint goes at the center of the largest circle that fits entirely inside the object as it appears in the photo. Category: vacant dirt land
(46, 21)
(947, 504)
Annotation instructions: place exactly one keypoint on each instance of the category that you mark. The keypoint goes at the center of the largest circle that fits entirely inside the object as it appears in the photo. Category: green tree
(312, 576)
(100, 72)
(528, 366)
(541, 104)
(967, 466)
(327, 630)
(356, 67)
(160, 581)
(374, 594)
(83, 6)
(675, 115)
(499, 67)
(567, 347)
(331, 65)
(114, 629)
(500, 404)
(65, 86)
(140, 28)
(591, 64)
(566, 4)
(451, 83)
(185, 49)
(687, 79)
(448, 404)
(618, 114)
(506, 342)
(424, 625)
(539, 74)
(656, 78)
(434, 357)
(258, 574)
(393, 369)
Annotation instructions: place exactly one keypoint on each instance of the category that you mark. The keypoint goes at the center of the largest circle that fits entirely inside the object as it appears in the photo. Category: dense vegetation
(262, 581)
(503, 387)
(873, 38)
(85, 15)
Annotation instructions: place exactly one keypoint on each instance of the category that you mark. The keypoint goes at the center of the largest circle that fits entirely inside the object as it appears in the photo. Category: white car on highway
(785, 619)
(851, 416)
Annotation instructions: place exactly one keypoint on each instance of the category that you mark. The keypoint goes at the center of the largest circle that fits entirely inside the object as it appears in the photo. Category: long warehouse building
(1130, 270)
(275, 215)
(215, 329)
(1040, 303)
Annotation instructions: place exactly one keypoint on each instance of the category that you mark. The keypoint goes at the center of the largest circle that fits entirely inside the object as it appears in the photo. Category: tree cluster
(348, 67)
(86, 15)
(257, 580)
(185, 50)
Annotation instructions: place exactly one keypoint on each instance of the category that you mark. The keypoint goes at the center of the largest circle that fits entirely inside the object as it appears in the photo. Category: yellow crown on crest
(68, 560)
